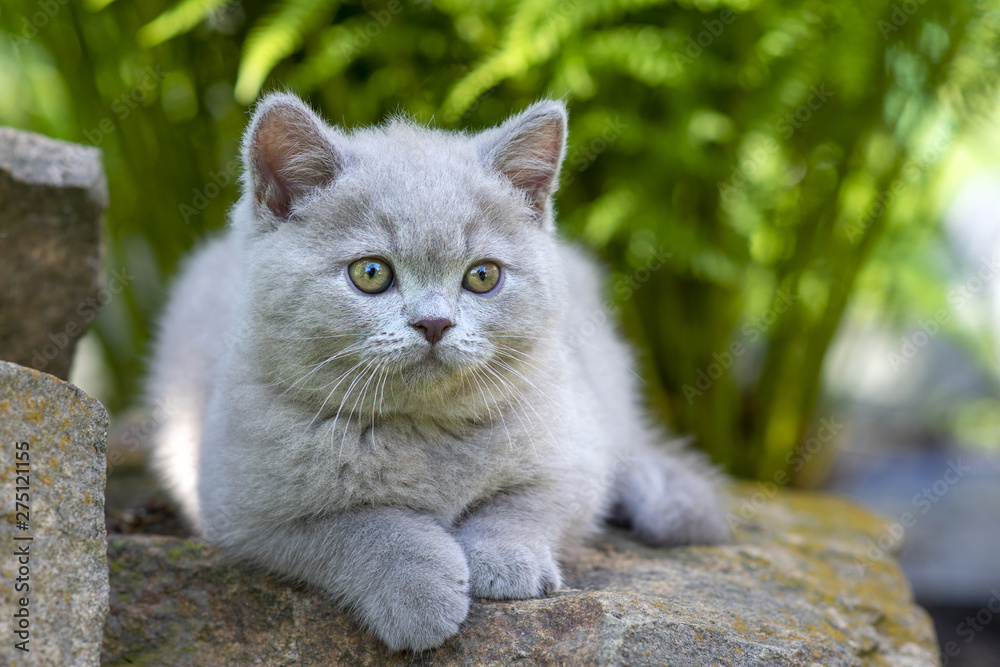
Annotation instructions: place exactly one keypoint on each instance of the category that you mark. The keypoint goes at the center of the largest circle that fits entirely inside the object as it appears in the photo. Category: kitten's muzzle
(433, 329)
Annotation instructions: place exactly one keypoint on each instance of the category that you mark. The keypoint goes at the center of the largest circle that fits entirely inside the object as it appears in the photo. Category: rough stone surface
(53, 196)
(67, 562)
(798, 587)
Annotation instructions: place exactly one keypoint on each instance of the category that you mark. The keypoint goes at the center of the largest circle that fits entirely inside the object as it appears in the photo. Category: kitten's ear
(528, 150)
(288, 152)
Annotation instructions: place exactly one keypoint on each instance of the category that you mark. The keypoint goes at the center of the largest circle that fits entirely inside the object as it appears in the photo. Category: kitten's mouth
(436, 361)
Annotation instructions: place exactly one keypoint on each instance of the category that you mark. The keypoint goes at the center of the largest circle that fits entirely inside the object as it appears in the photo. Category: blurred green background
(787, 162)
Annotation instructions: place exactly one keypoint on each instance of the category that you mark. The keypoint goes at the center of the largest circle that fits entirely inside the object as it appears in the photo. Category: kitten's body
(404, 475)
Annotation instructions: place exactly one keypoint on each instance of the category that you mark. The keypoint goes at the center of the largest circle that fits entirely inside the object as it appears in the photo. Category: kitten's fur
(402, 477)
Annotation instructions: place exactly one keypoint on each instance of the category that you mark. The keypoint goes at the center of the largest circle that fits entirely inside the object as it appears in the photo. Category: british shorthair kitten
(378, 383)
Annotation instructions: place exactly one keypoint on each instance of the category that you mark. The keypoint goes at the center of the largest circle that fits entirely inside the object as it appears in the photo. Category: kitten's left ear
(288, 152)
(528, 150)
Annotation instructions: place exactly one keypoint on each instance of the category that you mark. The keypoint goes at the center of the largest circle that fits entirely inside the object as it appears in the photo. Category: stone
(53, 196)
(62, 582)
(799, 586)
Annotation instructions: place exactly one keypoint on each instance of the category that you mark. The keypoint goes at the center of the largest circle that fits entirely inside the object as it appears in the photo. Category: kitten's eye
(482, 278)
(371, 275)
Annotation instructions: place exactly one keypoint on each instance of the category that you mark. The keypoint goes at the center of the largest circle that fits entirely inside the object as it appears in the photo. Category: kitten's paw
(421, 603)
(511, 571)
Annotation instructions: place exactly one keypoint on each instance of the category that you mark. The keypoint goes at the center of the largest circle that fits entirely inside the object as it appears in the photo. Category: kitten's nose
(433, 329)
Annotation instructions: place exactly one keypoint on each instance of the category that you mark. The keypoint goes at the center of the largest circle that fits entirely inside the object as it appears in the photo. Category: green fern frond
(537, 29)
(642, 53)
(177, 20)
(276, 37)
(338, 47)
(608, 214)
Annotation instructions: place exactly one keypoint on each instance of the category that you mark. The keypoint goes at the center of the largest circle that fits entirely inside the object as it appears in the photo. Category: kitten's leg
(510, 546)
(669, 498)
(399, 572)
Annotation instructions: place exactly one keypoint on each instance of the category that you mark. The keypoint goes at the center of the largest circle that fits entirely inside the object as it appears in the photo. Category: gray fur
(317, 436)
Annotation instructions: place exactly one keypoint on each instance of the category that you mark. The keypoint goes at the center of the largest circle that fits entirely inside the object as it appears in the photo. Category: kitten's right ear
(288, 152)
(528, 150)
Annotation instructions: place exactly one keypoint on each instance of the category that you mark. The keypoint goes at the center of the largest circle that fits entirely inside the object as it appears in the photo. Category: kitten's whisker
(343, 401)
(383, 372)
(347, 335)
(317, 367)
(524, 355)
(510, 442)
(604, 353)
(385, 378)
(571, 389)
(320, 411)
(524, 426)
(522, 401)
(362, 392)
(486, 403)
(527, 361)
(526, 358)
(313, 368)
(544, 395)
(524, 361)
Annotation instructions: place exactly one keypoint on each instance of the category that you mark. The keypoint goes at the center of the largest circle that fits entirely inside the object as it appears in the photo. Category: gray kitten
(372, 383)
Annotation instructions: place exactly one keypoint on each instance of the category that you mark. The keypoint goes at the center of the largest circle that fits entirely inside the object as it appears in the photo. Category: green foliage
(746, 168)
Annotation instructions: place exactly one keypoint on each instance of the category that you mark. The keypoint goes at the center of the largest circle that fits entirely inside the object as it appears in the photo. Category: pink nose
(433, 329)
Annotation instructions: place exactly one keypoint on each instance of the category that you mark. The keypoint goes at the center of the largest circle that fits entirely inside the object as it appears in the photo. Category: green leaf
(177, 20)
(276, 37)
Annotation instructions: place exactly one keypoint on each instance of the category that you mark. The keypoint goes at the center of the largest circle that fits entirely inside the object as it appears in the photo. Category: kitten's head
(399, 268)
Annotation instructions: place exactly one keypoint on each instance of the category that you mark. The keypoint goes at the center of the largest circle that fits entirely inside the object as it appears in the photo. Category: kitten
(375, 383)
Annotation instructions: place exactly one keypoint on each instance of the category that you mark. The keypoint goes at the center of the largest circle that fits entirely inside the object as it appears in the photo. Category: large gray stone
(798, 587)
(66, 569)
(53, 196)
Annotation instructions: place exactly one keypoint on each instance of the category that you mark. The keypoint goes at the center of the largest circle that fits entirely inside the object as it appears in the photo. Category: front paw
(500, 570)
(420, 603)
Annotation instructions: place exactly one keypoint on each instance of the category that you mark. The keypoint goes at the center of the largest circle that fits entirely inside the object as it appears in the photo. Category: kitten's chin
(438, 369)
(434, 365)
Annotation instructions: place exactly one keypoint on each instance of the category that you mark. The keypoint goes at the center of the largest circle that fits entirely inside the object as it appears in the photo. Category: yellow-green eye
(482, 277)
(371, 275)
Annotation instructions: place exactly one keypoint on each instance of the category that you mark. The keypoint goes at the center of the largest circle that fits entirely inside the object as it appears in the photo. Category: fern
(275, 38)
(536, 32)
(177, 20)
